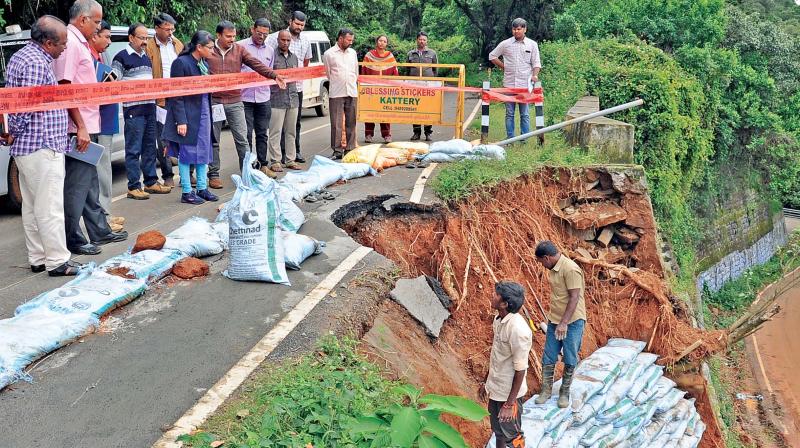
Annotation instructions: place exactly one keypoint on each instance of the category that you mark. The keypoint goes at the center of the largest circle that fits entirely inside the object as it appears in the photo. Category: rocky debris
(438, 289)
(626, 235)
(595, 215)
(605, 236)
(121, 271)
(150, 240)
(190, 267)
(424, 305)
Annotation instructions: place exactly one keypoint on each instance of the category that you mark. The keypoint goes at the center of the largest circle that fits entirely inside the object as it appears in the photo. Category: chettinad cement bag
(255, 243)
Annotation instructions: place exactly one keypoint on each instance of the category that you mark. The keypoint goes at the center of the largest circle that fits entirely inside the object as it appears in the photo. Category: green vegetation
(333, 398)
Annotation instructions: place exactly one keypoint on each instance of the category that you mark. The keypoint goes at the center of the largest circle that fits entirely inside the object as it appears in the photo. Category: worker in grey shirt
(520, 65)
(285, 106)
(423, 55)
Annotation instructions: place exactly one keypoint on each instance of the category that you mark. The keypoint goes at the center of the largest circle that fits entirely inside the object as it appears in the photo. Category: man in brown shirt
(228, 57)
(567, 318)
(508, 363)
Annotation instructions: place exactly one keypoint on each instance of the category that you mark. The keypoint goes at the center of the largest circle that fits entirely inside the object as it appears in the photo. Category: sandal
(411, 164)
(312, 197)
(327, 195)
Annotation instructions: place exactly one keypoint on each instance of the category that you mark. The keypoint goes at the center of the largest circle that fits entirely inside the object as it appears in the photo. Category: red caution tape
(503, 95)
(31, 99)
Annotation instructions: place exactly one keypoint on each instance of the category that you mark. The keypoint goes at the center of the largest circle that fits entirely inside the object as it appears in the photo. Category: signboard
(394, 104)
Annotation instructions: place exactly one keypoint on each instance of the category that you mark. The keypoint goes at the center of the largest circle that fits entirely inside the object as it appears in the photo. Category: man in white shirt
(256, 100)
(341, 66)
(300, 47)
(520, 65)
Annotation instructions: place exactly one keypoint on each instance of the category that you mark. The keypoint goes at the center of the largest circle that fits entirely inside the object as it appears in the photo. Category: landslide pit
(599, 216)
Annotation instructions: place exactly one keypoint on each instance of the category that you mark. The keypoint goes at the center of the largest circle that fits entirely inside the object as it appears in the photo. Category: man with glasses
(300, 47)
(140, 119)
(256, 100)
(81, 184)
(163, 49)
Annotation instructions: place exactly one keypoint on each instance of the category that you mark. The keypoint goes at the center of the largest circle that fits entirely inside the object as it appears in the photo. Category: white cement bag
(669, 400)
(549, 412)
(328, 171)
(196, 238)
(650, 376)
(301, 184)
(590, 409)
(151, 265)
(573, 435)
(296, 248)
(596, 433)
(354, 170)
(676, 429)
(455, 146)
(256, 248)
(493, 152)
(583, 388)
(692, 419)
(688, 441)
(699, 429)
(92, 291)
(552, 438)
(616, 411)
(663, 386)
(291, 217)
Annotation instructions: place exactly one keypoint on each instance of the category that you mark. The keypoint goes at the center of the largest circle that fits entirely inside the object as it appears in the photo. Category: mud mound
(601, 218)
(150, 240)
(190, 267)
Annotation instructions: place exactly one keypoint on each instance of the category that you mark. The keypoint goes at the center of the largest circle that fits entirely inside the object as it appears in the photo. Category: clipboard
(92, 154)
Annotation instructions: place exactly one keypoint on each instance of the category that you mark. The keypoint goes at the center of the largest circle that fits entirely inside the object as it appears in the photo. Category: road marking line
(761, 364)
(217, 395)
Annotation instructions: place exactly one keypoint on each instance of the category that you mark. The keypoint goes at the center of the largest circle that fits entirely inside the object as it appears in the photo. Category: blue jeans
(524, 119)
(570, 345)
(186, 180)
(140, 150)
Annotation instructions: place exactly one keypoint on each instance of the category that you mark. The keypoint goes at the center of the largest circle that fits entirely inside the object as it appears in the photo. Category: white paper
(161, 115)
(217, 113)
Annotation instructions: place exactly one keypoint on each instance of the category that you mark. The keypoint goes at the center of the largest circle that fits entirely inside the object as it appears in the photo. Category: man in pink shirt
(81, 185)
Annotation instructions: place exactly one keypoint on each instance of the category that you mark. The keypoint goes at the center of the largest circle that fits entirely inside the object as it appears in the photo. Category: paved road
(123, 387)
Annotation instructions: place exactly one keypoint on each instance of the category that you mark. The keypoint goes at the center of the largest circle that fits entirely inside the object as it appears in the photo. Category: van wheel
(14, 191)
(323, 109)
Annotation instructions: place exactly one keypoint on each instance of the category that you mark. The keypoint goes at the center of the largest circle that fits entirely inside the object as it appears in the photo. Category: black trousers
(418, 127)
(257, 116)
(163, 161)
(82, 199)
(296, 135)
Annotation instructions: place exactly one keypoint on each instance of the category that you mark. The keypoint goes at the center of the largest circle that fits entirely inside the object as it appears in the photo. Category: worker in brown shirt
(508, 363)
(228, 57)
(567, 318)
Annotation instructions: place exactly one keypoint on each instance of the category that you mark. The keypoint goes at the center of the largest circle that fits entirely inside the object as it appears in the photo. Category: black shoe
(299, 159)
(428, 137)
(86, 249)
(66, 269)
(207, 195)
(337, 155)
(37, 268)
(113, 237)
(415, 137)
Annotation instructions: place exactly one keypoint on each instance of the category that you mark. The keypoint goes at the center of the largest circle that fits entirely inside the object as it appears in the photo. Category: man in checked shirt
(520, 65)
(38, 141)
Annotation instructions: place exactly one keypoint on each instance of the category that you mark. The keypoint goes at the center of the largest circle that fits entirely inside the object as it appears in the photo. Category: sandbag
(590, 409)
(573, 435)
(416, 147)
(354, 170)
(381, 163)
(92, 291)
(669, 400)
(362, 154)
(440, 157)
(551, 439)
(584, 387)
(400, 156)
(301, 184)
(256, 248)
(616, 411)
(327, 171)
(454, 146)
(549, 411)
(596, 433)
(650, 376)
(150, 265)
(296, 248)
(195, 238)
(27, 337)
(493, 152)
(291, 217)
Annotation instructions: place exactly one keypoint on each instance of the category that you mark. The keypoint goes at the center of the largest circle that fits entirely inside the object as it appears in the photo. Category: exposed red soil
(493, 235)
(120, 271)
(150, 240)
(190, 267)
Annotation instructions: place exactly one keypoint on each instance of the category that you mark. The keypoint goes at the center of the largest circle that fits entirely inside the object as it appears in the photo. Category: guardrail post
(485, 109)
(539, 109)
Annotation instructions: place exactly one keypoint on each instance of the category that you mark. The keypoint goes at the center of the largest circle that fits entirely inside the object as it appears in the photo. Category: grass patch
(309, 401)
(458, 180)
(725, 390)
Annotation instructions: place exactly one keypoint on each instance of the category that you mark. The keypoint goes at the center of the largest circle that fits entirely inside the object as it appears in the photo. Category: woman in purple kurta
(187, 128)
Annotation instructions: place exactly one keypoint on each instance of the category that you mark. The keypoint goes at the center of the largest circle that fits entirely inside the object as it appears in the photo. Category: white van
(315, 90)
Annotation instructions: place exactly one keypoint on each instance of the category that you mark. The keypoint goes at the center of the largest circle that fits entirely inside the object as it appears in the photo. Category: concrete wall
(612, 140)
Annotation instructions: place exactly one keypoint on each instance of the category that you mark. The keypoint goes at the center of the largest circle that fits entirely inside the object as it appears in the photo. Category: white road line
(761, 364)
(125, 195)
(215, 396)
(234, 378)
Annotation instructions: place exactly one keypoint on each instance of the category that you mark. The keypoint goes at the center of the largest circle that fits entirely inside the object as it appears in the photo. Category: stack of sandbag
(458, 149)
(322, 173)
(619, 398)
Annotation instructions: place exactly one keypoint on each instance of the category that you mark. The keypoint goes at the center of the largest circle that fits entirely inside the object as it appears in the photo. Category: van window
(6, 51)
(324, 46)
(314, 52)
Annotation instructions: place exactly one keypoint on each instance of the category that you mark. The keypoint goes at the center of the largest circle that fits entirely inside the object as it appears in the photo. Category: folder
(92, 154)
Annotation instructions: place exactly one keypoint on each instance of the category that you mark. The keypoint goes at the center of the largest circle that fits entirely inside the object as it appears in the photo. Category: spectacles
(169, 30)
(209, 46)
(260, 34)
(142, 38)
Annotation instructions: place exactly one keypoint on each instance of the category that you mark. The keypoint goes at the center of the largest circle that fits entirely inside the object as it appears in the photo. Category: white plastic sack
(27, 337)
(291, 217)
(573, 435)
(616, 411)
(440, 157)
(549, 411)
(328, 171)
(455, 146)
(552, 438)
(490, 152)
(583, 388)
(354, 170)
(596, 433)
(688, 441)
(296, 248)
(649, 377)
(301, 184)
(256, 248)
(92, 291)
(151, 265)
(669, 400)
(195, 238)
(663, 386)
(590, 409)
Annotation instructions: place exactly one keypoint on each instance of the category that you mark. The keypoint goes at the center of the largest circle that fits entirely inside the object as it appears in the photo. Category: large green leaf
(408, 390)
(430, 442)
(445, 433)
(368, 424)
(458, 406)
(405, 427)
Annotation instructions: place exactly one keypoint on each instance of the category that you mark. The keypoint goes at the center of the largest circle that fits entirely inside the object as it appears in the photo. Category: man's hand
(6, 139)
(506, 413)
(482, 392)
(280, 82)
(82, 140)
(182, 129)
(561, 331)
(535, 78)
